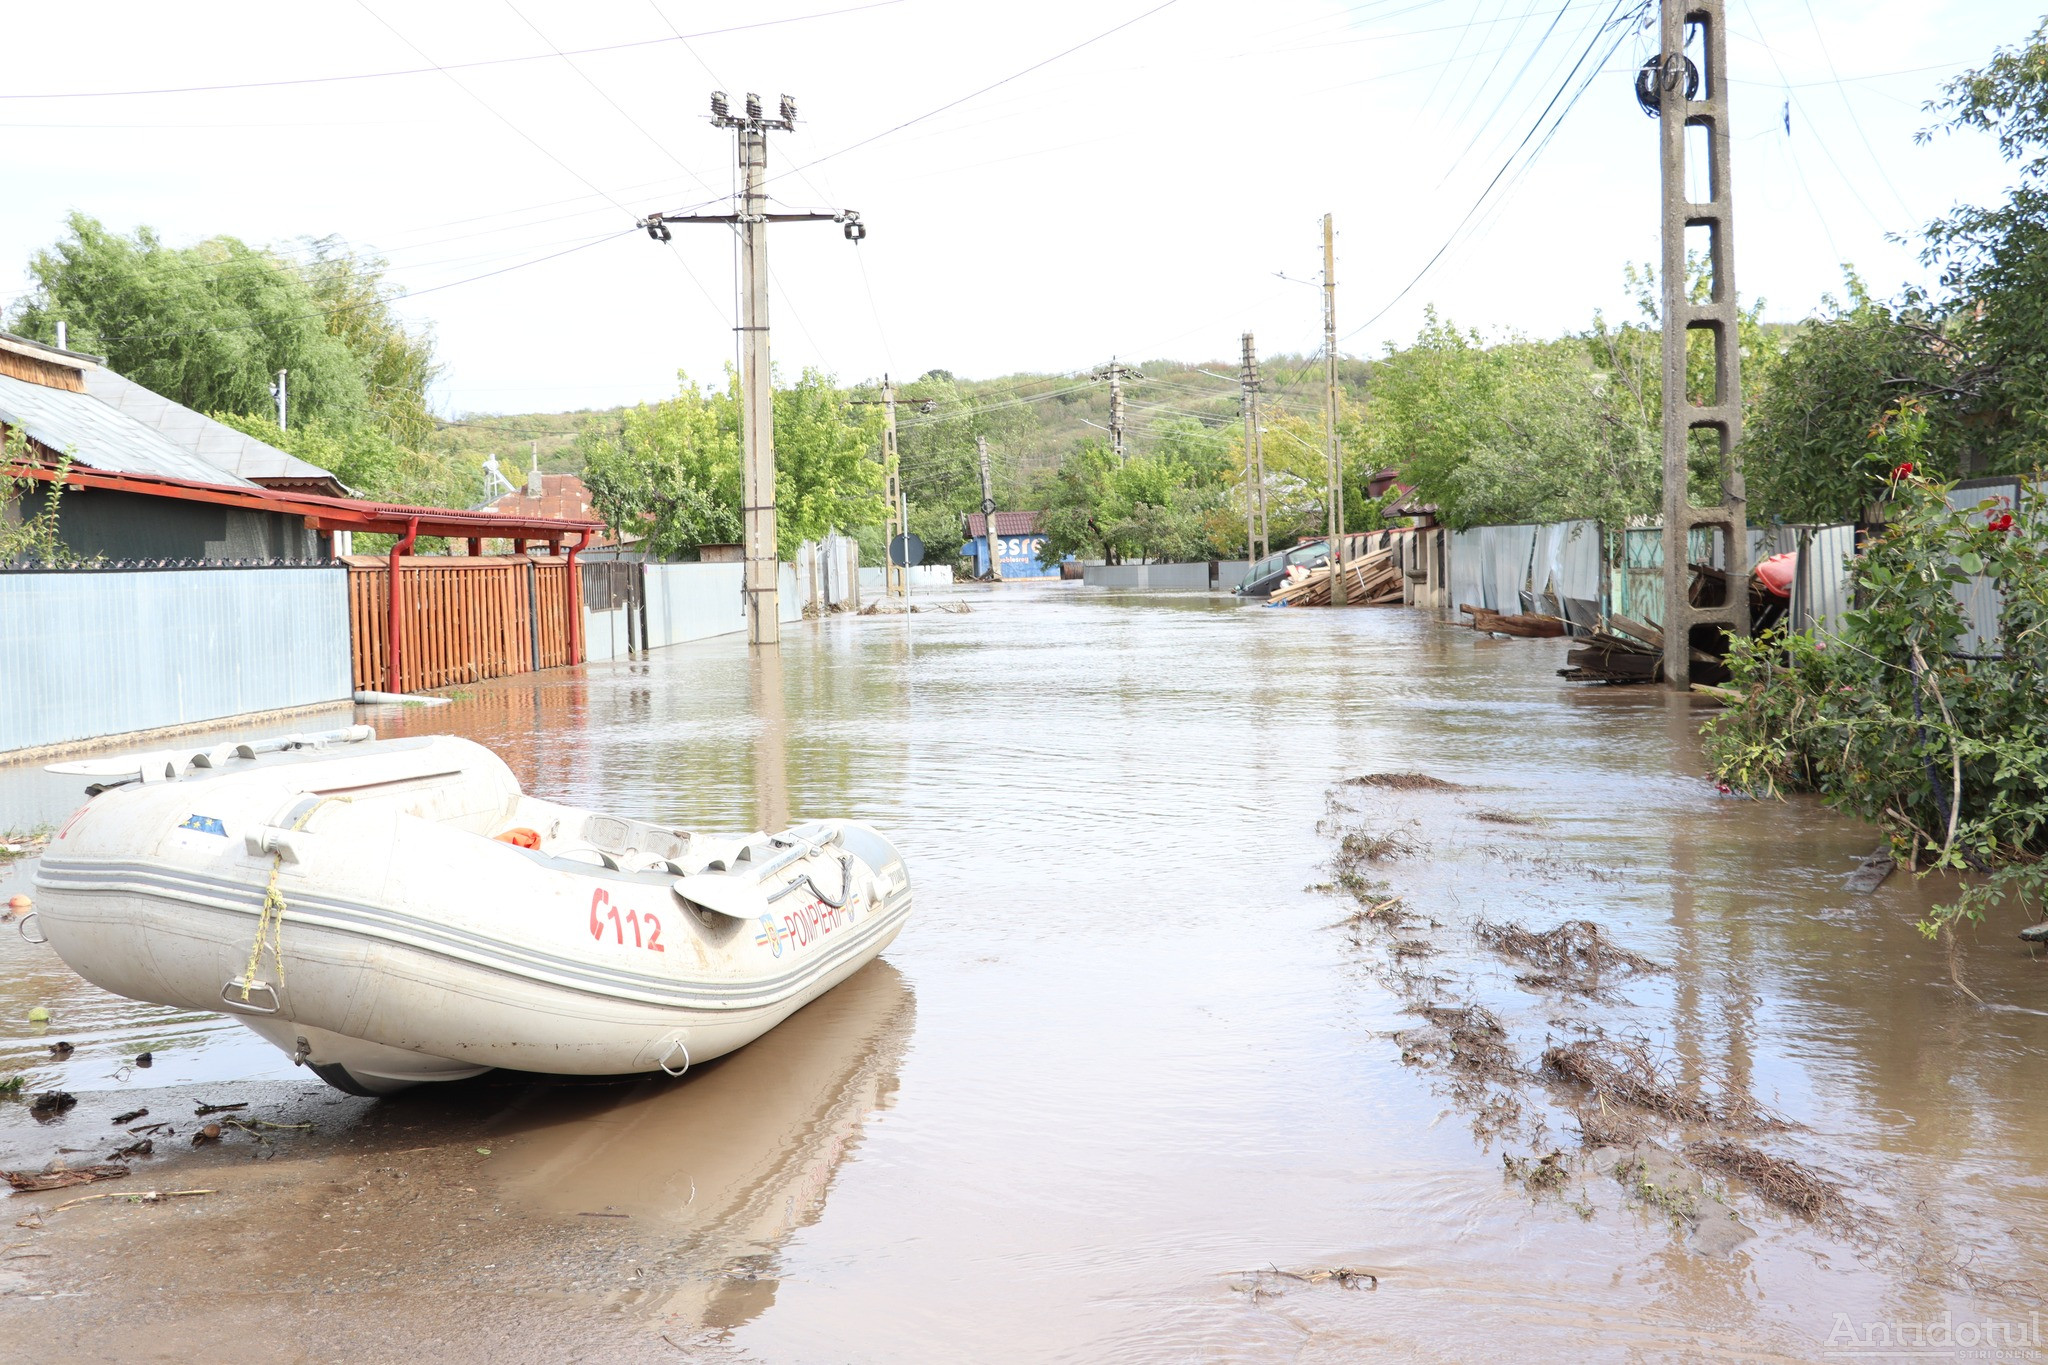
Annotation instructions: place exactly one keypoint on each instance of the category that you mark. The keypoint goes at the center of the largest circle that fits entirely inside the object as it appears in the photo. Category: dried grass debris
(1404, 782)
(1576, 956)
(1776, 1180)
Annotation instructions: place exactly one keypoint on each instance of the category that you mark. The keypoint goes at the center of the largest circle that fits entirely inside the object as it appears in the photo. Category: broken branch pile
(1529, 625)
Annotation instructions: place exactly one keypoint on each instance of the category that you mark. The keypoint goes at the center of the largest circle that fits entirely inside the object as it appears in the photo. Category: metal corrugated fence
(85, 653)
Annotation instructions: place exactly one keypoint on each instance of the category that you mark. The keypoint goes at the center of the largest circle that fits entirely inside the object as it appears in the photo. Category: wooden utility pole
(1255, 544)
(988, 510)
(1116, 374)
(1672, 83)
(762, 582)
(1339, 590)
(894, 576)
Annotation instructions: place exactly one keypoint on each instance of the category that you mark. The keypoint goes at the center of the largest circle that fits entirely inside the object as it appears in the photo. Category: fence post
(533, 609)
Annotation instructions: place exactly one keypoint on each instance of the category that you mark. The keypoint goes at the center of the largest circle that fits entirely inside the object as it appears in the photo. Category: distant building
(1019, 537)
(556, 497)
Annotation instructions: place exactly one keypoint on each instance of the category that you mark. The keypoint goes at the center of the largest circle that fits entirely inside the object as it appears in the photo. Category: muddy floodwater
(1140, 1069)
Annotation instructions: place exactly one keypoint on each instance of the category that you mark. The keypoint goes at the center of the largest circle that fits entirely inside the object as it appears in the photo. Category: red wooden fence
(462, 618)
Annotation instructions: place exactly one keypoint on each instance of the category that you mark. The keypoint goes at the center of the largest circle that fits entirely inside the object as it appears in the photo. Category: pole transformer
(1670, 87)
(762, 582)
(1339, 591)
(1256, 547)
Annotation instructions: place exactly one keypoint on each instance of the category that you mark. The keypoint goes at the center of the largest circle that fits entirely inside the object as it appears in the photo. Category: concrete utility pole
(63, 336)
(988, 509)
(896, 519)
(1675, 82)
(1340, 593)
(1255, 544)
(280, 399)
(1116, 375)
(762, 583)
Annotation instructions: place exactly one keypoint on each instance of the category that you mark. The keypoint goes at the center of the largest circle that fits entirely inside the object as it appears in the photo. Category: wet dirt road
(1120, 1061)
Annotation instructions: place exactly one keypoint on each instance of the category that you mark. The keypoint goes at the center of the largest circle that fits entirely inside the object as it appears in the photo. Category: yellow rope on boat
(270, 920)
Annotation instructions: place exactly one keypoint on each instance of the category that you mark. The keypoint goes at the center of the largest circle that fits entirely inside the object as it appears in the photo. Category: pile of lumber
(1372, 580)
(1529, 625)
(1633, 652)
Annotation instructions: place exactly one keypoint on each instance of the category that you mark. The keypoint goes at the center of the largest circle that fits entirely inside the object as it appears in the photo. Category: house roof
(1007, 523)
(561, 495)
(100, 436)
(220, 446)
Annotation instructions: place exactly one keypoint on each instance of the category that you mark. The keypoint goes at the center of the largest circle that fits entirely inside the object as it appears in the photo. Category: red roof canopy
(1007, 523)
(323, 513)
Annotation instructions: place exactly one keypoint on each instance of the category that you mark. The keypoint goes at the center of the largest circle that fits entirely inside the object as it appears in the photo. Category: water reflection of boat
(422, 919)
(735, 1160)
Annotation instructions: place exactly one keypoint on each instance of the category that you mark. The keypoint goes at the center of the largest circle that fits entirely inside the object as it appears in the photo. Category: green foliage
(1807, 452)
(678, 462)
(1948, 755)
(210, 325)
(30, 537)
(1154, 506)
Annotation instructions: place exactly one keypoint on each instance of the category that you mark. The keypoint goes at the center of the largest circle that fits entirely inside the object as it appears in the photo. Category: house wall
(1019, 556)
(120, 525)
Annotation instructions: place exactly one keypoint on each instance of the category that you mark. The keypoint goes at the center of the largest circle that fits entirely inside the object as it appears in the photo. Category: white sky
(1133, 198)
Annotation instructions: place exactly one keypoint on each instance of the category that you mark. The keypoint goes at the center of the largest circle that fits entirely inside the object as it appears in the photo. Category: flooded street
(1124, 1057)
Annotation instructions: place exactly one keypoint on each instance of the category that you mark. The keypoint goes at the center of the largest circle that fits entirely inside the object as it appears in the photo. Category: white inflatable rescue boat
(390, 912)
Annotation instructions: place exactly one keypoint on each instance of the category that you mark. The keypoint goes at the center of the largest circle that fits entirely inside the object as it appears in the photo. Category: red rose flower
(2001, 522)
(1905, 470)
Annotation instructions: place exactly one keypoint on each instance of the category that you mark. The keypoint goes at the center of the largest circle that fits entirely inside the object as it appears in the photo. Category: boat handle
(682, 1047)
(845, 885)
(28, 919)
(231, 996)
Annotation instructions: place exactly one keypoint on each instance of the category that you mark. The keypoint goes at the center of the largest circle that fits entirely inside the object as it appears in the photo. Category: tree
(1994, 260)
(210, 325)
(678, 462)
(1807, 452)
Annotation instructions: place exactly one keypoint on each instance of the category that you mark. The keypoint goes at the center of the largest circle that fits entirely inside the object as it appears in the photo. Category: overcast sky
(1134, 197)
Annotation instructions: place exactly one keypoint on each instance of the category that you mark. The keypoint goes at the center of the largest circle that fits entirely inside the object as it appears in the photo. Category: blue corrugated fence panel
(85, 654)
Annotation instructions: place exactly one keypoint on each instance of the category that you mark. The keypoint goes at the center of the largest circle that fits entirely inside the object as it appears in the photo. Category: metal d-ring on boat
(399, 911)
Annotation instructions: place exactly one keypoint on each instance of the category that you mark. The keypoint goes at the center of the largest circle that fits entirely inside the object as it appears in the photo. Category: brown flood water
(1119, 1060)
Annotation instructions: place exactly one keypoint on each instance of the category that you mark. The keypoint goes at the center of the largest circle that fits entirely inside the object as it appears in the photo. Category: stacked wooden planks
(1372, 580)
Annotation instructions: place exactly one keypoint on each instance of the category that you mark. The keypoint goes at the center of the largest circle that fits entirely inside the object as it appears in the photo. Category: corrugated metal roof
(100, 436)
(220, 446)
(1007, 524)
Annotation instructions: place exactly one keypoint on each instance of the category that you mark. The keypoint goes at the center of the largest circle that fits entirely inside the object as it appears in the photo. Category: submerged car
(1269, 573)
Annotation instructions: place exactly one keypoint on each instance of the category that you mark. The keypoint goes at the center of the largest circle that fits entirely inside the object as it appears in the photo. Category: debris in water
(1573, 956)
(142, 1148)
(1405, 782)
(39, 1015)
(1537, 1175)
(1502, 817)
(133, 1197)
(1871, 870)
(13, 1084)
(145, 1059)
(1624, 1074)
(205, 1109)
(51, 1103)
(130, 1116)
(18, 904)
(210, 1133)
(1775, 1180)
(62, 1178)
(60, 1050)
(1344, 1275)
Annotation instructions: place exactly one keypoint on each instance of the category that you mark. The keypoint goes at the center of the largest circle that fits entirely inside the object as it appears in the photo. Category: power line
(453, 66)
(976, 94)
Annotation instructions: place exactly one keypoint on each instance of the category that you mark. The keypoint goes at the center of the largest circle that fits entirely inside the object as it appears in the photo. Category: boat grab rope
(270, 919)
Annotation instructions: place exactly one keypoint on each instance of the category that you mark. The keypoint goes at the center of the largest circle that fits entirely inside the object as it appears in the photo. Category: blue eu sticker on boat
(205, 824)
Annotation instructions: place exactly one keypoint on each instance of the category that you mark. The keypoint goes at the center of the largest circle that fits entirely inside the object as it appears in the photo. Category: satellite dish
(906, 550)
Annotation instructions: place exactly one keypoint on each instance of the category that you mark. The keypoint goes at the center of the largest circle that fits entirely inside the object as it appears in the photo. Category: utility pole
(1116, 374)
(762, 583)
(1667, 87)
(895, 506)
(279, 393)
(63, 336)
(1340, 594)
(1255, 544)
(988, 510)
